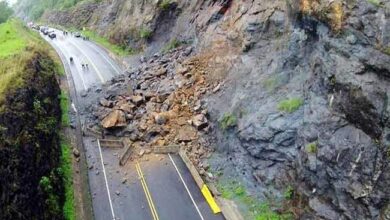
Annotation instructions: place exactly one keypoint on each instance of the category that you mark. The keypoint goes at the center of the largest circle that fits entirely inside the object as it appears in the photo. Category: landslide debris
(157, 104)
(295, 94)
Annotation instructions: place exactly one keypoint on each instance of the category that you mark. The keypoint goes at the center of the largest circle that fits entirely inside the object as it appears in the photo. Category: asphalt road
(156, 187)
(101, 67)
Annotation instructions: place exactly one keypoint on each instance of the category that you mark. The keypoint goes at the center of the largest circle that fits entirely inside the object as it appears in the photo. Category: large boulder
(114, 119)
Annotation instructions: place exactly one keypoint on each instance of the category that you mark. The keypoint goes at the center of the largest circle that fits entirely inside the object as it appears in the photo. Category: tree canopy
(5, 11)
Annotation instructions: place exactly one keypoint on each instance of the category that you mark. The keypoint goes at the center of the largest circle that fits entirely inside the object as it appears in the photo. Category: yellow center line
(147, 197)
(147, 192)
(144, 188)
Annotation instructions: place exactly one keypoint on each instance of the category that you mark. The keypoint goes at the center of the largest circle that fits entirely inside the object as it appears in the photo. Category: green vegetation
(18, 47)
(64, 102)
(271, 83)
(5, 11)
(174, 43)
(15, 39)
(387, 51)
(62, 174)
(164, 5)
(388, 151)
(145, 33)
(47, 185)
(118, 50)
(11, 40)
(254, 209)
(228, 120)
(288, 194)
(34, 9)
(67, 174)
(311, 147)
(290, 105)
(377, 3)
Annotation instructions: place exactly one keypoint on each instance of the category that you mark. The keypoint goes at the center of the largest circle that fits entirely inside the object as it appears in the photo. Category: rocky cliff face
(31, 185)
(302, 90)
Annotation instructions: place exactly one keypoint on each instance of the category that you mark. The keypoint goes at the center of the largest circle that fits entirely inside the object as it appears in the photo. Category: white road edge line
(89, 60)
(70, 66)
(185, 185)
(105, 178)
(92, 46)
(74, 107)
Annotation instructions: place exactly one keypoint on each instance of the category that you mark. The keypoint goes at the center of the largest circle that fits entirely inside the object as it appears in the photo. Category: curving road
(158, 187)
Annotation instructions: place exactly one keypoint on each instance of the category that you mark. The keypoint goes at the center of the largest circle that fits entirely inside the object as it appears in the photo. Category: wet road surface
(157, 187)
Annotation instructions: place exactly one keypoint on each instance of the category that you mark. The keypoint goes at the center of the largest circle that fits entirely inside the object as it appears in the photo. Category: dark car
(77, 34)
(36, 27)
(45, 31)
(52, 35)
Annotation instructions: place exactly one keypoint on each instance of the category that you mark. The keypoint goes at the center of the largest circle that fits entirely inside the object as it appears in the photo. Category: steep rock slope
(31, 183)
(304, 83)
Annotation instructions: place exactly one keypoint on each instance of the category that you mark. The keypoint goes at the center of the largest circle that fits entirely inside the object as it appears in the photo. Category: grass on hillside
(228, 120)
(64, 102)
(14, 39)
(290, 105)
(252, 207)
(118, 50)
(377, 3)
(67, 170)
(174, 43)
(11, 40)
(17, 47)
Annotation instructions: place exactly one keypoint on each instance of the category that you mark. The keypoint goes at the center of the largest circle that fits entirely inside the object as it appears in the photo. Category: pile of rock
(158, 103)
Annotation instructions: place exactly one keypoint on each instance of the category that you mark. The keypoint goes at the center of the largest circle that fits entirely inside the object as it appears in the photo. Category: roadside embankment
(33, 165)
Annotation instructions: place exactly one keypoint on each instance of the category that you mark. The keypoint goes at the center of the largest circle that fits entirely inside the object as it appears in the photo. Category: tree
(5, 11)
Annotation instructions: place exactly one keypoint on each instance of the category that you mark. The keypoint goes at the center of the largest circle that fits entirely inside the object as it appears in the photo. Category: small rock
(106, 103)
(76, 152)
(161, 72)
(200, 121)
(97, 172)
(182, 70)
(137, 99)
(351, 39)
(124, 180)
(217, 88)
(160, 119)
(141, 152)
(187, 51)
(90, 167)
(117, 193)
(210, 175)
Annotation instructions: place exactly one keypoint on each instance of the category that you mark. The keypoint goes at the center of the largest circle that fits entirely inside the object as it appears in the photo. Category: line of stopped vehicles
(51, 32)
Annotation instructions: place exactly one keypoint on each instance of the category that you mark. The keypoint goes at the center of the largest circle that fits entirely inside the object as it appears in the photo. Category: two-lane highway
(156, 187)
(101, 67)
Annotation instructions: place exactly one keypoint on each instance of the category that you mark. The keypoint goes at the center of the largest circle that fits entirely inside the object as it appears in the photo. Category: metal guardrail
(111, 143)
(126, 153)
(170, 149)
(91, 132)
(218, 205)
